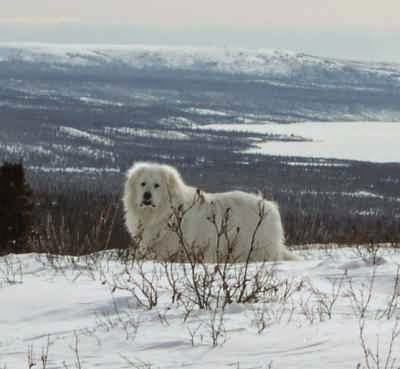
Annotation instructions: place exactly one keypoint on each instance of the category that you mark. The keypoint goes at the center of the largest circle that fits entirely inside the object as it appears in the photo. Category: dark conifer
(16, 207)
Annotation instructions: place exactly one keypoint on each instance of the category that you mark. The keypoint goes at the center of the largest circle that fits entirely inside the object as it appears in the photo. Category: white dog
(173, 220)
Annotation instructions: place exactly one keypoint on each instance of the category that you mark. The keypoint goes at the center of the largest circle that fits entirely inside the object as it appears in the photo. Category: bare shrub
(393, 303)
(11, 271)
(136, 363)
(268, 314)
(380, 357)
(229, 281)
(196, 286)
(62, 235)
(194, 333)
(370, 252)
(326, 301)
(360, 298)
(32, 361)
(141, 283)
(126, 320)
(216, 327)
(308, 309)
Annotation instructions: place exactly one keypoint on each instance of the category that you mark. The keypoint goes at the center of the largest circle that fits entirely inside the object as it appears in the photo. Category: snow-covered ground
(140, 132)
(262, 62)
(311, 318)
(91, 137)
(90, 170)
(364, 141)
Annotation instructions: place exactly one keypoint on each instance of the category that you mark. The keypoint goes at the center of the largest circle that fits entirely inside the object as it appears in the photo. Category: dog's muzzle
(147, 199)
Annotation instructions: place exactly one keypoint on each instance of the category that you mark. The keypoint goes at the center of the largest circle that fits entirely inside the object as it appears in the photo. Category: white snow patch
(365, 194)
(314, 164)
(366, 213)
(20, 149)
(74, 169)
(177, 122)
(78, 133)
(39, 302)
(153, 133)
(95, 101)
(86, 151)
(368, 194)
(206, 112)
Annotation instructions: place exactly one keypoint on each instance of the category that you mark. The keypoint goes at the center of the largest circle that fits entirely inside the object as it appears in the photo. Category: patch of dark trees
(79, 214)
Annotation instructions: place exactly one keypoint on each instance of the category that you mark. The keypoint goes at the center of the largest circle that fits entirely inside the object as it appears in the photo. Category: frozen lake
(365, 141)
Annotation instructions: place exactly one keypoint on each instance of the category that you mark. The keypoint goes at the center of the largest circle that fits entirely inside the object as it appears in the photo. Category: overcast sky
(366, 29)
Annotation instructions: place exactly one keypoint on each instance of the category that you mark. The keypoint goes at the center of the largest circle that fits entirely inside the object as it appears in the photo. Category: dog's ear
(175, 186)
(130, 188)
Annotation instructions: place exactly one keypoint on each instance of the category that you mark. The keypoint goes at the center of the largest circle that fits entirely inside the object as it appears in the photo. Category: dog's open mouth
(147, 203)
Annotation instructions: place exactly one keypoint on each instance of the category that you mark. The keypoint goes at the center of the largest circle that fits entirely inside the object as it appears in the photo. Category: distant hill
(82, 106)
(249, 84)
(274, 64)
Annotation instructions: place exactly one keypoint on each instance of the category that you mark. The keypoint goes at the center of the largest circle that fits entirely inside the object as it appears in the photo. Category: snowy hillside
(262, 63)
(67, 101)
(338, 308)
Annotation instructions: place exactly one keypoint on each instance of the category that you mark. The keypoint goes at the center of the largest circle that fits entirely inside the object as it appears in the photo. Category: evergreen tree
(16, 207)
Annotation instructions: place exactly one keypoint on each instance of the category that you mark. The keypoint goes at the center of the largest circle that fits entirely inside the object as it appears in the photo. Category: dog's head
(151, 186)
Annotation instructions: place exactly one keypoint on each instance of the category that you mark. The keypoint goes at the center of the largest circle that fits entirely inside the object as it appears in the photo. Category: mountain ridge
(266, 63)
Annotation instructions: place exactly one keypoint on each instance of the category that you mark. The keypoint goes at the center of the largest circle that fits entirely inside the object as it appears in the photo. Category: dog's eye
(156, 185)
(143, 184)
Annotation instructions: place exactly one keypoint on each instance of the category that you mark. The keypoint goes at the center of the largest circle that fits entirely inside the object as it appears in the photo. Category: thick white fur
(152, 224)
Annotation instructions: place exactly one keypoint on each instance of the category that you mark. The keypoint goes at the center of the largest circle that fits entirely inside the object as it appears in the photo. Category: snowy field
(333, 309)
(364, 141)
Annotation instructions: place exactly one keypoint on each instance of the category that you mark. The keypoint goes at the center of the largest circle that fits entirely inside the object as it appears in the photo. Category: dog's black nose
(147, 195)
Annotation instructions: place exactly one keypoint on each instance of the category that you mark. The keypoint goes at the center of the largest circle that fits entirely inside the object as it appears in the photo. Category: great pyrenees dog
(173, 221)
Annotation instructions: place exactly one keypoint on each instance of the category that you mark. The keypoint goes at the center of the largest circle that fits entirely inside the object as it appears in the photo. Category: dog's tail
(288, 255)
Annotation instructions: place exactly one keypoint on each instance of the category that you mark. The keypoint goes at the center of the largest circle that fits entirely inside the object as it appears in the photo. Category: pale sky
(339, 27)
(370, 14)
